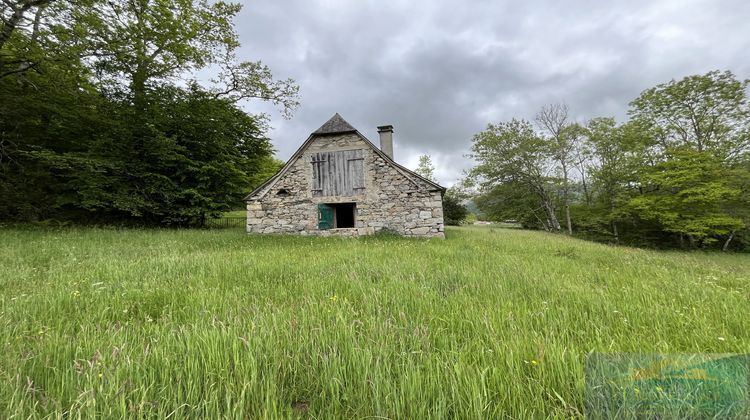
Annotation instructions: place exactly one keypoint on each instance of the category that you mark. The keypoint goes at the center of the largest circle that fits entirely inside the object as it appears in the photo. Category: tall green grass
(489, 323)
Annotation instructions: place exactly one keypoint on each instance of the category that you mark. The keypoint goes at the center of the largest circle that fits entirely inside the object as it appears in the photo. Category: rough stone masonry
(339, 183)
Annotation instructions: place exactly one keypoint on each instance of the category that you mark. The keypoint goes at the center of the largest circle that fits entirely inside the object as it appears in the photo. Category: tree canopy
(426, 168)
(675, 174)
(102, 119)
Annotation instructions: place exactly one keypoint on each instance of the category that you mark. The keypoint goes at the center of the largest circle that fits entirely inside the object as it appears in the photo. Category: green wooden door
(325, 216)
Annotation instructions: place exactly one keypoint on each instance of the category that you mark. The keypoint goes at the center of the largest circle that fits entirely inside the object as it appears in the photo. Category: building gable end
(419, 182)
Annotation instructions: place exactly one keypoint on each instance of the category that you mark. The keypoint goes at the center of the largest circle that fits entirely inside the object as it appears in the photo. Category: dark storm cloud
(440, 71)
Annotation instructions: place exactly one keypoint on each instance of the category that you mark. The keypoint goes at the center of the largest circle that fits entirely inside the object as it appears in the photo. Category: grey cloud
(440, 71)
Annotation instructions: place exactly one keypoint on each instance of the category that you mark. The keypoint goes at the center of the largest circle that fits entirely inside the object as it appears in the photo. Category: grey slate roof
(335, 125)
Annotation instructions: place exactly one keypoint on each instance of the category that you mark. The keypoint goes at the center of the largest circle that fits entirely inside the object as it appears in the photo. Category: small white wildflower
(721, 338)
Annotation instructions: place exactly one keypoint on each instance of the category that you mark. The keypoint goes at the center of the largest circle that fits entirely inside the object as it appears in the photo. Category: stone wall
(391, 200)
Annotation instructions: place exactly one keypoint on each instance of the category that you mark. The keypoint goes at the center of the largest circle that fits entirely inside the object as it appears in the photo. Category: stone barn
(339, 183)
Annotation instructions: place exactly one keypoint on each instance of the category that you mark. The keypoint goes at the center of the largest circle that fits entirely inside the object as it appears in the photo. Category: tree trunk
(10, 25)
(615, 233)
(726, 243)
(138, 88)
(140, 75)
(567, 217)
(549, 209)
(541, 222)
(586, 193)
(553, 222)
(19, 10)
(566, 201)
(26, 65)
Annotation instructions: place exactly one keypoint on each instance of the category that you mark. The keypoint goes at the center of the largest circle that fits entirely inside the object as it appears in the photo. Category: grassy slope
(488, 323)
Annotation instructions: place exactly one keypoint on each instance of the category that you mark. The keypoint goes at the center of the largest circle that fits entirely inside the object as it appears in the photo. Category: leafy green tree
(266, 167)
(50, 118)
(685, 194)
(680, 168)
(426, 168)
(561, 143)
(708, 116)
(454, 212)
(512, 201)
(739, 207)
(20, 32)
(209, 154)
(581, 157)
(97, 130)
(707, 113)
(617, 156)
(512, 158)
(72, 166)
(166, 39)
(148, 41)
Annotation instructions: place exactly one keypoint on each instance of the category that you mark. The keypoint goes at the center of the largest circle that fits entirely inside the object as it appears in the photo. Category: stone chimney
(386, 139)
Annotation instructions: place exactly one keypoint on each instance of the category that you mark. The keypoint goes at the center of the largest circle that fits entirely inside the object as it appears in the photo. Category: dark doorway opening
(336, 215)
(344, 214)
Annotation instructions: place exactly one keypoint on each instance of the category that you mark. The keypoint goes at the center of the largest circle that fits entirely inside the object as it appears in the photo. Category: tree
(739, 207)
(685, 194)
(154, 40)
(679, 168)
(515, 202)
(100, 131)
(266, 167)
(581, 156)
(25, 15)
(49, 120)
(702, 123)
(426, 168)
(706, 113)
(454, 211)
(617, 156)
(513, 154)
(147, 43)
(554, 120)
(208, 158)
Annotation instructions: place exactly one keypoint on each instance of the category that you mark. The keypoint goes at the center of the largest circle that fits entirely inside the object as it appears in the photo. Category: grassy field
(490, 323)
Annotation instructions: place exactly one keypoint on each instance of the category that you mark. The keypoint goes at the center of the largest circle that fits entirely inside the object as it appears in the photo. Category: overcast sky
(439, 71)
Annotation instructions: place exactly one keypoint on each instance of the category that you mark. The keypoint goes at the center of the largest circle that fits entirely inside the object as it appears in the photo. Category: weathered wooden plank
(347, 181)
(329, 175)
(357, 173)
(338, 173)
(315, 178)
(347, 178)
(317, 162)
(319, 169)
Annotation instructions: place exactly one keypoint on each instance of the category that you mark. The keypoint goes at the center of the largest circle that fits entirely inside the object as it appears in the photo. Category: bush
(453, 211)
